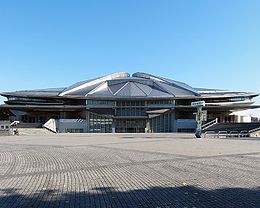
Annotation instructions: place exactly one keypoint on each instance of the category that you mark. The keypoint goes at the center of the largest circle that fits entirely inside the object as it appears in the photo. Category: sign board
(198, 103)
(202, 116)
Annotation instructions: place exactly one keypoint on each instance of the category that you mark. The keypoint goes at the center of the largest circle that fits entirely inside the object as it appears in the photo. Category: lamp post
(199, 116)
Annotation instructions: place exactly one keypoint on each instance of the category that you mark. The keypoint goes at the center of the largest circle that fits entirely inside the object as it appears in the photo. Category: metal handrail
(243, 134)
(209, 124)
(226, 134)
(253, 130)
(210, 133)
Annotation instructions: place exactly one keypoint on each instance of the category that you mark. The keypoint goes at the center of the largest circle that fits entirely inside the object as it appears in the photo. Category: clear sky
(51, 43)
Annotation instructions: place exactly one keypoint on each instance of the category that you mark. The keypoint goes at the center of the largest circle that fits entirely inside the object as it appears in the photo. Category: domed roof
(122, 85)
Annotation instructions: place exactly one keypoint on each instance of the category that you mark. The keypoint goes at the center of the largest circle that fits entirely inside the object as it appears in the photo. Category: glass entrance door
(130, 125)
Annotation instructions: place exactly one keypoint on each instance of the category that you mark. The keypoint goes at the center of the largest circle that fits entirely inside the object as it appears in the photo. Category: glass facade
(129, 116)
(130, 108)
(130, 112)
(33, 100)
(161, 123)
(100, 102)
(100, 123)
(130, 103)
(234, 99)
(121, 104)
(161, 102)
(130, 126)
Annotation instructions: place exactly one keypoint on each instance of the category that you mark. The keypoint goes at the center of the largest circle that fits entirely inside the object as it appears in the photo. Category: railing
(244, 134)
(209, 124)
(253, 130)
(210, 134)
(14, 123)
(225, 134)
(222, 134)
(233, 134)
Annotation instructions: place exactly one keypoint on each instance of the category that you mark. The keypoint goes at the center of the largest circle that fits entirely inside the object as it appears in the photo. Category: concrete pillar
(113, 126)
(173, 121)
(147, 128)
(87, 121)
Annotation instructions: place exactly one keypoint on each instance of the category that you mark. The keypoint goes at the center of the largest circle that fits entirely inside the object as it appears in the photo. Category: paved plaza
(128, 170)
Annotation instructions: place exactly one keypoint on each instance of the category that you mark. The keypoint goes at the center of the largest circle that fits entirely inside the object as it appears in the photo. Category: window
(161, 102)
(100, 102)
(130, 103)
(29, 99)
(68, 130)
(100, 124)
(130, 112)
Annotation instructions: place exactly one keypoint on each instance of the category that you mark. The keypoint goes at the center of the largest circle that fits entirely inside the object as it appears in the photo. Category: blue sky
(51, 43)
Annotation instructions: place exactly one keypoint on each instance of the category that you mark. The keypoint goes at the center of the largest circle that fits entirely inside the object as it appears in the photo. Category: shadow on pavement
(183, 196)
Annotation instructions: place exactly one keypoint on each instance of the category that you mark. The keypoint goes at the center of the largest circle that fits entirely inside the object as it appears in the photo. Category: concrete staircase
(34, 131)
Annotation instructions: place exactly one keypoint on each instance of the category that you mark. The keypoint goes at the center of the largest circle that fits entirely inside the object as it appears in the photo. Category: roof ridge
(140, 88)
(95, 81)
(121, 88)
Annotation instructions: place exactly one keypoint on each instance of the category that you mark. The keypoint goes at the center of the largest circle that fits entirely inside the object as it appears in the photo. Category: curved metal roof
(122, 85)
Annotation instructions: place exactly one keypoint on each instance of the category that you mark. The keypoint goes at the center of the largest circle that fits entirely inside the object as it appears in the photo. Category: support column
(113, 126)
(173, 121)
(147, 128)
(87, 121)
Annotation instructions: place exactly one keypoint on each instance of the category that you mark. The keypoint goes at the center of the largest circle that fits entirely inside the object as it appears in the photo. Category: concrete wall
(4, 128)
(66, 125)
(4, 133)
(186, 124)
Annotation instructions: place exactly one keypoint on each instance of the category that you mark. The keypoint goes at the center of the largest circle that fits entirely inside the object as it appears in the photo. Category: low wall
(5, 133)
(71, 125)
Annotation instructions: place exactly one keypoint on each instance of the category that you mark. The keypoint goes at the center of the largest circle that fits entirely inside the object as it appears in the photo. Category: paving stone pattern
(111, 175)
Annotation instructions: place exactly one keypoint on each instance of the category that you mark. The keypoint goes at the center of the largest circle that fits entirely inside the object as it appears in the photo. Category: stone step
(34, 131)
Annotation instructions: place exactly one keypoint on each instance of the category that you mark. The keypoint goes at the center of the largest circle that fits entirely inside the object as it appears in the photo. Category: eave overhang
(44, 107)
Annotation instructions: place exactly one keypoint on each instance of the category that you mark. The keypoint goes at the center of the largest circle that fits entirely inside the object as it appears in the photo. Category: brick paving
(162, 170)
